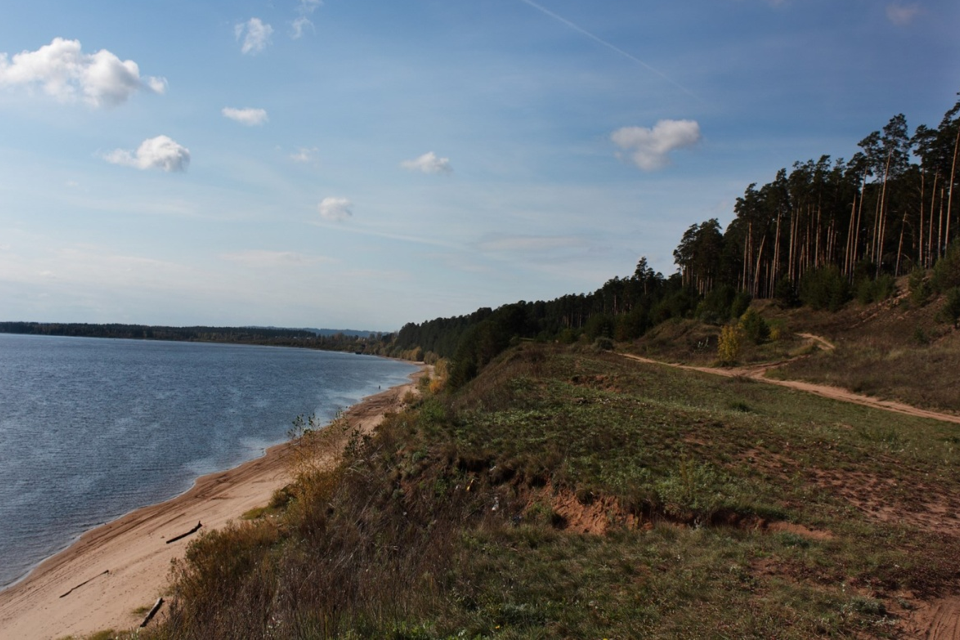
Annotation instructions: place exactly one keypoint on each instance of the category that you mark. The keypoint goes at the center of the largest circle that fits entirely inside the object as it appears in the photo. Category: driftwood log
(152, 613)
(83, 583)
(184, 535)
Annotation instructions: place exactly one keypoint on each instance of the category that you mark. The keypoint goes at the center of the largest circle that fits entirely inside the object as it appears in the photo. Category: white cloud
(428, 163)
(63, 71)
(335, 209)
(155, 153)
(649, 149)
(902, 14)
(263, 258)
(249, 117)
(301, 24)
(257, 35)
(304, 155)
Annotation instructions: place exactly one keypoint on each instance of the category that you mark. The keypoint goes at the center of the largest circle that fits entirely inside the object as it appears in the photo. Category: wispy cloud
(263, 258)
(335, 209)
(154, 153)
(63, 71)
(527, 244)
(249, 117)
(303, 23)
(609, 45)
(903, 14)
(304, 155)
(256, 35)
(428, 163)
(649, 149)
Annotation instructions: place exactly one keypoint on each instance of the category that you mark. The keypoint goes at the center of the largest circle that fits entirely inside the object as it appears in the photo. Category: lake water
(92, 428)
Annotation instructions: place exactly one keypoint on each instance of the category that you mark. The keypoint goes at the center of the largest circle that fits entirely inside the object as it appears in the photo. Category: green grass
(571, 493)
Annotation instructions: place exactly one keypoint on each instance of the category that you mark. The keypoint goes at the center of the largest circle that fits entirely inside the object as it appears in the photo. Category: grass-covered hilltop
(655, 459)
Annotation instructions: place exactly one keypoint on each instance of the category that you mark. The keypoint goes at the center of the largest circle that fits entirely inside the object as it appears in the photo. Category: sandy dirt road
(826, 391)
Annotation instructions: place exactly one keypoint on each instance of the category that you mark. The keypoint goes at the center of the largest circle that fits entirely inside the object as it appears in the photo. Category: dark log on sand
(152, 613)
(83, 583)
(184, 535)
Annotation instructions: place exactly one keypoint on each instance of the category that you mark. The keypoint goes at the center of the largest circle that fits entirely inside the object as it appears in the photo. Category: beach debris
(153, 612)
(83, 583)
(184, 535)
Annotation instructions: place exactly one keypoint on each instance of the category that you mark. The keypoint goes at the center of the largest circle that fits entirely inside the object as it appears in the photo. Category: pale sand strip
(134, 551)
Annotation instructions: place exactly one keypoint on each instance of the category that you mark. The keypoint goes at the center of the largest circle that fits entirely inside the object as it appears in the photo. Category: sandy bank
(127, 561)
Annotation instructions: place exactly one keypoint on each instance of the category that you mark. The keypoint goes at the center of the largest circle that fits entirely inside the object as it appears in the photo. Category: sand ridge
(110, 572)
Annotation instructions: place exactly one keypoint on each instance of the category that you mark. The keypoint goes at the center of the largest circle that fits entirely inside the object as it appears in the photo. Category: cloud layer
(649, 149)
(428, 163)
(249, 117)
(335, 209)
(63, 71)
(154, 153)
(256, 35)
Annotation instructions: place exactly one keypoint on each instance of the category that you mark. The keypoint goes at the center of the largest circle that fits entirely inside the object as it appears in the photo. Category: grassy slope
(568, 493)
(892, 349)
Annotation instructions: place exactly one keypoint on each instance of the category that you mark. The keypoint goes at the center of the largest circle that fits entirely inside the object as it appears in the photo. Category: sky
(366, 163)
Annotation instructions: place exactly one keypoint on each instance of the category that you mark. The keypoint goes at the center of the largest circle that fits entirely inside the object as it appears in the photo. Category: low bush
(824, 288)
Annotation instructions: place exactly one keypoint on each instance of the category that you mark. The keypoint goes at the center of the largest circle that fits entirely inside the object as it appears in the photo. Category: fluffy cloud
(63, 71)
(335, 209)
(902, 14)
(155, 153)
(249, 117)
(428, 163)
(649, 149)
(256, 35)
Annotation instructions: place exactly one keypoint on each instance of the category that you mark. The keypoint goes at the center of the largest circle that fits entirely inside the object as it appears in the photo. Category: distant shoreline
(124, 565)
(345, 340)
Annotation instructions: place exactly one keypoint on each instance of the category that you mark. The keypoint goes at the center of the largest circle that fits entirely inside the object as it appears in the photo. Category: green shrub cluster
(824, 288)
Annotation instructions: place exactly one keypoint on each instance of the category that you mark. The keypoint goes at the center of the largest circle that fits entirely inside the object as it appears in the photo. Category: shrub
(740, 304)
(876, 290)
(946, 273)
(919, 286)
(951, 307)
(603, 343)
(754, 326)
(786, 293)
(715, 306)
(824, 288)
(729, 344)
(599, 325)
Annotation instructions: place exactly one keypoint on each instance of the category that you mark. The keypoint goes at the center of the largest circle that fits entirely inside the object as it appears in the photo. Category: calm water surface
(93, 428)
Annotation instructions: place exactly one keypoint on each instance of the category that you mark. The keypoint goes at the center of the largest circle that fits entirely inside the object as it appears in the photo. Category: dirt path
(938, 620)
(101, 581)
(824, 344)
(834, 393)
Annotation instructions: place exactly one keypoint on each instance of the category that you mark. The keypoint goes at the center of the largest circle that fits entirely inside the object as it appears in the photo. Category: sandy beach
(111, 573)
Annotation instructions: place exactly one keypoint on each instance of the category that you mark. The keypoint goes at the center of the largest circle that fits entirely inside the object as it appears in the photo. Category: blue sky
(363, 164)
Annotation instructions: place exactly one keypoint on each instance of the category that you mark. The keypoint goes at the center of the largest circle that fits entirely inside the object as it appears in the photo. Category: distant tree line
(374, 343)
(817, 235)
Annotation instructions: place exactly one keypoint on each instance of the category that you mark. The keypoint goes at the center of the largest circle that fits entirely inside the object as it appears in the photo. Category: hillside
(573, 492)
(894, 349)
